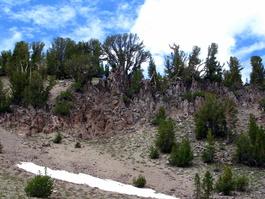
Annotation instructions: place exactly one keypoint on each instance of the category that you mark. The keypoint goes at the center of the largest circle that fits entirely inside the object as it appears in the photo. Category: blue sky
(238, 26)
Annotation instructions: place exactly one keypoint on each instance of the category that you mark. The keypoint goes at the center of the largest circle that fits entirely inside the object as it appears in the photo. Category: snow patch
(103, 184)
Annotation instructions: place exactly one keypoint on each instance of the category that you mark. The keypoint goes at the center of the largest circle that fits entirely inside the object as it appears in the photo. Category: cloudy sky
(238, 26)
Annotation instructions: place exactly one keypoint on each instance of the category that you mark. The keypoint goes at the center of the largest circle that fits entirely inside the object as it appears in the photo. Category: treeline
(28, 66)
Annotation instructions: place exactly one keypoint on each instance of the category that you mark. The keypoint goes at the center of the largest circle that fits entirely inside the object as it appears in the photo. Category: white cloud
(9, 43)
(93, 29)
(46, 16)
(193, 22)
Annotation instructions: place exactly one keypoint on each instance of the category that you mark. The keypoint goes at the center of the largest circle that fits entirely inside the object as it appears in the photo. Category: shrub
(77, 145)
(154, 154)
(225, 183)
(165, 139)
(65, 95)
(140, 181)
(63, 108)
(1, 147)
(251, 147)
(211, 115)
(58, 138)
(127, 101)
(182, 155)
(161, 115)
(241, 183)
(192, 96)
(40, 186)
(207, 184)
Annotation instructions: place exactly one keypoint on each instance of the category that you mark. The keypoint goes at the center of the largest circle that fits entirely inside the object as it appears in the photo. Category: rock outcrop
(101, 111)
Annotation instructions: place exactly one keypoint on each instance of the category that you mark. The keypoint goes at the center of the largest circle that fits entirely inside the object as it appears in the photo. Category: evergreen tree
(5, 60)
(197, 182)
(207, 184)
(194, 63)
(251, 147)
(175, 63)
(61, 51)
(213, 68)
(211, 116)
(232, 77)
(225, 183)
(209, 152)
(165, 139)
(152, 73)
(258, 72)
(182, 155)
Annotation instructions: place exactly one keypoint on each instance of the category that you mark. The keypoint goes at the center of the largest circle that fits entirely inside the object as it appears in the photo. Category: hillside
(116, 138)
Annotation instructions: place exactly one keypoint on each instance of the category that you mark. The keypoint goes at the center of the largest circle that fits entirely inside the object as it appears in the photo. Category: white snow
(103, 184)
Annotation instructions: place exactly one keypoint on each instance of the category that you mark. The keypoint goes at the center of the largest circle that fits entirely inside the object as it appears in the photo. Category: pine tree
(165, 139)
(232, 77)
(213, 68)
(225, 183)
(258, 72)
(207, 184)
(197, 182)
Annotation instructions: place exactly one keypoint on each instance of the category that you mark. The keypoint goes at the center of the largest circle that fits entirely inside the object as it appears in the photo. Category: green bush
(165, 139)
(182, 155)
(241, 183)
(192, 96)
(63, 108)
(140, 181)
(65, 95)
(154, 154)
(77, 145)
(40, 186)
(58, 138)
(251, 147)
(225, 183)
(161, 115)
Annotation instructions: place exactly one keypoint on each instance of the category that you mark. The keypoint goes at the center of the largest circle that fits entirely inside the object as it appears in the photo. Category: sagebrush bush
(182, 155)
(140, 181)
(165, 139)
(58, 138)
(154, 153)
(40, 186)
